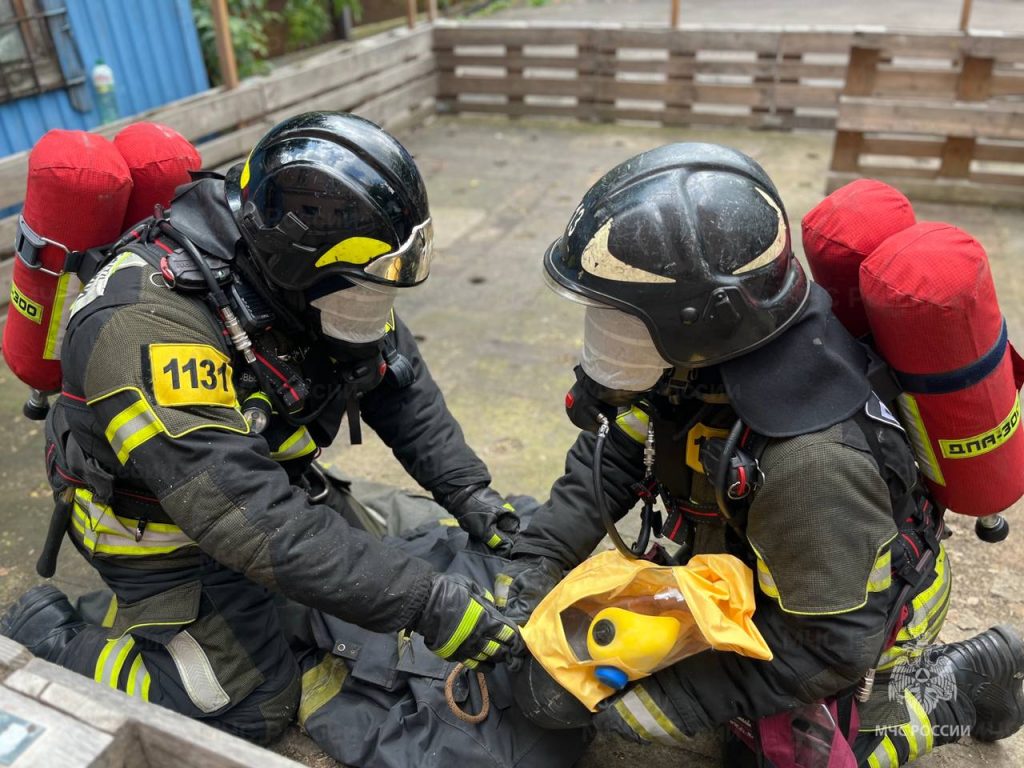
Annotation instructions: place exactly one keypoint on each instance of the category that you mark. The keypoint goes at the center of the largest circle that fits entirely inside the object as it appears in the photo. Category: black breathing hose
(731, 444)
(602, 506)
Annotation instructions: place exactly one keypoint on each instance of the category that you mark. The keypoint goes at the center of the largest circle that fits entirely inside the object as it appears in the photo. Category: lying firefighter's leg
(43, 620)
(201, 641)
(643, 713)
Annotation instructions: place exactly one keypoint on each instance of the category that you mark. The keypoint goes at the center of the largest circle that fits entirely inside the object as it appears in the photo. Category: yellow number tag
(190, 374)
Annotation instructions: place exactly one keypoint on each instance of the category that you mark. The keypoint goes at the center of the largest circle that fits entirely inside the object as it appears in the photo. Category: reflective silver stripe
(918, 731)
(634, 423)
(766, 580)
(132, 427)
(884, 755)
(298, 444)
(653, 729)
(104, 532)
(138, 679)
(502, 582)
(880, 578)
(197, 673)
(111, 660)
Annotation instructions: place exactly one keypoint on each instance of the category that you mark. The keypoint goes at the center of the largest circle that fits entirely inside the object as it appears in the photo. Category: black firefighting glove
(460, 622)
(529, 579)
(485, 516)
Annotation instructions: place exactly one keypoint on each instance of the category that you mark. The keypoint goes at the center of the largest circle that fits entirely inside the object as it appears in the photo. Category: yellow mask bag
(633, 617)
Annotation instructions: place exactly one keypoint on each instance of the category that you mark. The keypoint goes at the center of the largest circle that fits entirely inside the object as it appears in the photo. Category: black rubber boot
(989, 672)
(42, 620)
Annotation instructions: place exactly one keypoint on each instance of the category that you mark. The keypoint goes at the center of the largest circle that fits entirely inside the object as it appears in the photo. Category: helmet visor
(410, 263)
(618, 352)
(358, 314)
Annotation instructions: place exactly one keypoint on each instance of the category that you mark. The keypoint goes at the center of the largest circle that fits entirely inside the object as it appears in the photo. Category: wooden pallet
(742, 76)
(939, 116)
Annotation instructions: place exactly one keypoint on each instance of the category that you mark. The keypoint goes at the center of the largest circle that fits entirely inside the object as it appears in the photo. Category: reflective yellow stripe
(491, 648)
(884, 755)
(494, 541)
(659, 715)
(321, 684)
(466, 625)
(765, 580)
(929, 612)
(103, 532)
(634, 423)
(918, 434)
(111, 614)
(131, 428)
(880, 578)
(631, 721)
(138, 679)
(68, 285)
(300, 443)
(919, 730)
(111, 660)
(506, 633)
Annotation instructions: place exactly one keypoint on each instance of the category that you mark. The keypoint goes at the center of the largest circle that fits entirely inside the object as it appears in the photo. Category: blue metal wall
(151, 45)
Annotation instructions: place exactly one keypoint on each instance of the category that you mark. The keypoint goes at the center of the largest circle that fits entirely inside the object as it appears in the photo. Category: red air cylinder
(78, 187)
(840, 232)
(929, 298)
(159, 159)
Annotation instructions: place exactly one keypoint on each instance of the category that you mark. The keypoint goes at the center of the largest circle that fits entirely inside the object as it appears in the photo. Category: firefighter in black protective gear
(205, 366)
(700, 326)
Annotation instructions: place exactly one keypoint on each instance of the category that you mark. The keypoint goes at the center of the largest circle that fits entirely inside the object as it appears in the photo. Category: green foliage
(308, 21)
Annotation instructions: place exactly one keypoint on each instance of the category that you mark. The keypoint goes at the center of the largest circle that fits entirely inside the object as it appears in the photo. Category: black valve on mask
(361, 367)
(588, 398)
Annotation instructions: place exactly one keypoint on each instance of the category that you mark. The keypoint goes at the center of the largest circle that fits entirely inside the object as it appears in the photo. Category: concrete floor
(502, 347)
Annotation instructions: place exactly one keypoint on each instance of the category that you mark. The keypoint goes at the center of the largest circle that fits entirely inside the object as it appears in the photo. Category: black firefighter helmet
(328, 193)
(691, 238)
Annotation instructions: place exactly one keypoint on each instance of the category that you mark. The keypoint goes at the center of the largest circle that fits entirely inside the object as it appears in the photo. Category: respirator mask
(619, 365)
(353, 319)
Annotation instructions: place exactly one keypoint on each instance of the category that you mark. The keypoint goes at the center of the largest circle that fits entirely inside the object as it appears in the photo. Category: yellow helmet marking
(354, 250)
(243, 180)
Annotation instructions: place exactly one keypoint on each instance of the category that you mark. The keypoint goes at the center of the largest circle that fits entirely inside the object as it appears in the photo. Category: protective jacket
(191, 517)
(835, 522)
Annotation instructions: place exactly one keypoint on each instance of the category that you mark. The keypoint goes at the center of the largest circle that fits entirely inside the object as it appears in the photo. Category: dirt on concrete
(502, 347)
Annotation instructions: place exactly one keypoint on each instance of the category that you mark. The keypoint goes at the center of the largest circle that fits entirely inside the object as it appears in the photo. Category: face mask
(618, 353)
(357, 315)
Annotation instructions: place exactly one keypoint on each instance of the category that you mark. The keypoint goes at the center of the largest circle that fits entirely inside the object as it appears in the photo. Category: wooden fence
(939, 116)
(737, 76)
(389, 79)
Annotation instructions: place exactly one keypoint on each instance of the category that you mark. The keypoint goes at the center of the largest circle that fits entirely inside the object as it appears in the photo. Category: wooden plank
(956, 157)
(990, 120)
(861, 71)
(225, 45)
(823, 40)
(448, 35)
(1008, 180)
(306, 82)
(846, 150)
(349, 96)
(449, 61)
(999, 153)
(975, 82)
(876, 145)
(940, 190)
(231, 145)
(722, 38)
(914, 83)
(503, 86)
(1007, 84)
(398, 106)
(793, 95)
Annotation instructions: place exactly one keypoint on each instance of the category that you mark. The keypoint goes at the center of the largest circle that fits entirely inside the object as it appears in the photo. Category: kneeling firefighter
(710, 358)
(207, 361)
